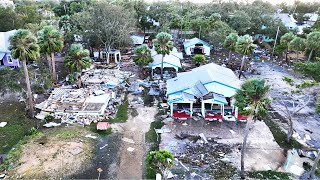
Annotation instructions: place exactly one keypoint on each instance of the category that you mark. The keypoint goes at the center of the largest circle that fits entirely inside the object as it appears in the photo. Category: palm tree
(298, 44)
(245, 47)
(50, 41)
(142, 56)
(285, 40)
(163, 45)
(251, 100)
(230, 43)
(77, 58)
(313, 44)
(23, 46)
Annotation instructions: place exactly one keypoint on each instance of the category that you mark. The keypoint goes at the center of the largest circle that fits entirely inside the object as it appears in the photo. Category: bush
(268, 175)
(199, 58)
(310, 69)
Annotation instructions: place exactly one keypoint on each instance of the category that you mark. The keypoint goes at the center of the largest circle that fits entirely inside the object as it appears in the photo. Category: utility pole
(275, 42)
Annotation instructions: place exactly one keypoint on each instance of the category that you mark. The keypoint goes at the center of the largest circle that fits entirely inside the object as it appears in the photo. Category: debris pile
(202, 154)
(95, 101)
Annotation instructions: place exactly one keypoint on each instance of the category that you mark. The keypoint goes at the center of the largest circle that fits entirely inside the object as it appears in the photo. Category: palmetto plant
(143, 55)
(252, 100)
(50, 41)
(230, 43)
(23, 46)
(245, 47)
(77, 58)
(163, 45)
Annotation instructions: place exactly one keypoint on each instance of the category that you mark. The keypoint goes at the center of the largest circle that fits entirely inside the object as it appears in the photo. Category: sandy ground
(307, 121)
(263, 153)
(131, 163)
(52, 157)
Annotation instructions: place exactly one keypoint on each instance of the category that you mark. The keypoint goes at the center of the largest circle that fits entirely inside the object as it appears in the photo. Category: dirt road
(132, 145)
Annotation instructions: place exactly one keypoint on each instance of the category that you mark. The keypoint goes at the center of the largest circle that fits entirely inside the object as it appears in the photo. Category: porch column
(236, 112)
(191, 110)
(171, 109)
(202, 109)
(222, 111)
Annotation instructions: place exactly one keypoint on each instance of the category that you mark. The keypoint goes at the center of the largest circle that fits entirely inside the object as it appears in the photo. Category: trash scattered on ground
(3, 124)
(51, 124)
(2, 176)
(130, 149)
(91, 136)
(76, 151)
(103, 146)
(128, 140)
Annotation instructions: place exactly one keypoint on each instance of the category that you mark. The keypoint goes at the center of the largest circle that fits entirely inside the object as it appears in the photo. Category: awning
(2, 55)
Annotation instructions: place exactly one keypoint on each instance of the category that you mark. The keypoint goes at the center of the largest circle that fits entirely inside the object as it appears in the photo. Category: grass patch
(134, 112)
(68, 134)
(122, 113)
(18, 125)
(151, 137)
(268, 175)
(318, 103)
(288, 80)
(306, 84)
(281, 136)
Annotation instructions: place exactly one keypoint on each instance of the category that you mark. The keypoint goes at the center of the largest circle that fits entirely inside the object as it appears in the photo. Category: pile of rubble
(202, 154)
(97, 100)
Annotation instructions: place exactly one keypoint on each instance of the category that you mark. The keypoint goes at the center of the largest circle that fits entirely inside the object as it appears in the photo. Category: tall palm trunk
(287, 54)
(310, 55)
(49, 63)
(162, 66)
(54, 74)
(29, 93)
(243, 149)
(229, 56)
(297, 55)
(241, 67)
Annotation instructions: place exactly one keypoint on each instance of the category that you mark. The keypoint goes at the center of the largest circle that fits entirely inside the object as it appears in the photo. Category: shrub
(306, 84)
(310, 69)
(199, 58)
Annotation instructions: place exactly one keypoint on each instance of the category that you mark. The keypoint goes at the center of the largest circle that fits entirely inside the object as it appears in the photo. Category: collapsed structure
(207, 90)
(84, 105)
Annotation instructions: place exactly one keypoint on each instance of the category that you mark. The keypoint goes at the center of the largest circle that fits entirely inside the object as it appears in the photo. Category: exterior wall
(12, 63)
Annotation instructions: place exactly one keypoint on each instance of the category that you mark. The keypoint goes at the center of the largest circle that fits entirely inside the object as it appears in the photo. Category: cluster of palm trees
(241, 44)
(27, 47)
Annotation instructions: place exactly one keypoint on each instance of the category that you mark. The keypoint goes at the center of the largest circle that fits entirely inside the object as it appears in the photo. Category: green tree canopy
(160, 160)
(143, 55)
(50, 40)
(231, 41)
(245, 45)
(240, 21)
(23, 46)
(77, 58)
(298, 44)
(313, 44)
(251, 98)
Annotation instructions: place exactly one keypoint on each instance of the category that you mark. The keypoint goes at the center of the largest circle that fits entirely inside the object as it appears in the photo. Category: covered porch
(181, 105)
